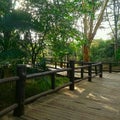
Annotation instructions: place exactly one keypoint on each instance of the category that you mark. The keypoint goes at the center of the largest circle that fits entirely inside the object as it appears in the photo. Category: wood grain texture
(96, 100)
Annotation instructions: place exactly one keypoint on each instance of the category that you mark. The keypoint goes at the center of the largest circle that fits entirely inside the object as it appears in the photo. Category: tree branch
(100, 18)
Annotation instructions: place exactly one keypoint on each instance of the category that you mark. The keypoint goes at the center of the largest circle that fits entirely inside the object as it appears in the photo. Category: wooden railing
(107, 66)
(111, 66)
(18, 106)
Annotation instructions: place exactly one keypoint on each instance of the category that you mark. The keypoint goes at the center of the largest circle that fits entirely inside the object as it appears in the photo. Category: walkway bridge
(96, 100)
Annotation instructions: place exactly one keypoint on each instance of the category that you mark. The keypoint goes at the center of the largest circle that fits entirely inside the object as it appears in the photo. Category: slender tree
(91, 23)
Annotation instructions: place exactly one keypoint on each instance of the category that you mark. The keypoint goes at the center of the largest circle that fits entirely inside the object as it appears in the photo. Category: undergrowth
(32, 87)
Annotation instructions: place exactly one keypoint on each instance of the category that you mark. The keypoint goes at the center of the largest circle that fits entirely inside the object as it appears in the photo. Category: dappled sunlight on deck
(98, 97)
(80, 90)
(70, 94)
(92, 96)
(105, 98)
(111, 108)
(75, 94)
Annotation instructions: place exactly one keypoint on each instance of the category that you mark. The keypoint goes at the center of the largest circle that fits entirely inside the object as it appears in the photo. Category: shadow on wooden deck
(96, 100)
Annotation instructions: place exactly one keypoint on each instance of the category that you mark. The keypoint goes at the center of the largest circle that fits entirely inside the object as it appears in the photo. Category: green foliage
(49, 20)
(102, 51)
(89, 7)
(37, 86)
(16, 19)
(4, 6)
(42, 64)
(118, 55)
(52, 21)
(11, 55)
(61, 81)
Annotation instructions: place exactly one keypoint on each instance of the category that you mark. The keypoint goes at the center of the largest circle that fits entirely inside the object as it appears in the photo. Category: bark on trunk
(86, 55)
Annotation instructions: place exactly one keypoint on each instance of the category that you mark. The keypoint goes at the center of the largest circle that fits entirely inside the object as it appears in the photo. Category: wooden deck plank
(96, 100)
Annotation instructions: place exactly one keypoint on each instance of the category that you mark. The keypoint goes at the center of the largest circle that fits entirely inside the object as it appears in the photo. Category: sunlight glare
(18, 4)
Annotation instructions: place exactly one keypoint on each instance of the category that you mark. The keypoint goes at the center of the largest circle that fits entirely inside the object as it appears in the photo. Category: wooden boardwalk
(96, 100)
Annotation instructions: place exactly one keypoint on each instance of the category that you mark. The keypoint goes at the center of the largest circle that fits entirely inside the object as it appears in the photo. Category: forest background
(32, 31)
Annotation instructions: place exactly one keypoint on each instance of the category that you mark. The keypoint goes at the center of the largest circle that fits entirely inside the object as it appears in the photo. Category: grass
(7, 94)
(33, 87)
(43, 84)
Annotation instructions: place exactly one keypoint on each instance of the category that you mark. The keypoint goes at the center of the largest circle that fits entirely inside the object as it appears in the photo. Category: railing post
(68, 71)
(53, 80)
(101, 70)
(96, 72)
(82, 71)
(71, 75)
(20, 90)
(110, 67)
(55, 65)
(89, 72)
(61, 64)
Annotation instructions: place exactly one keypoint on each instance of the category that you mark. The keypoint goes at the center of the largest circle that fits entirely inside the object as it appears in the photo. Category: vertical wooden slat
(89, 72)
(72, 75)
(55, 65)
(82, 70)
(53, 80)
(96, 72)
(110, 67)
(101, 70)
(68, 72)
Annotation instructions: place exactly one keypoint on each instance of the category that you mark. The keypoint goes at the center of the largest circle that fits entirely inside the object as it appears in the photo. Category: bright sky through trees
(17, 4)
(103, 33)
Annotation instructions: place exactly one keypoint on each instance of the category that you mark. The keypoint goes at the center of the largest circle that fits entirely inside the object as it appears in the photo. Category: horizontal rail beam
(8, 109)
(10, 79)
(47, 73)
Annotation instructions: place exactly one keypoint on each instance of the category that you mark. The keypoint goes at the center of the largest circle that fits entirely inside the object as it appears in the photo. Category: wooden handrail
(46, 73)
(22, 77)
(10, 79)
(8, 109)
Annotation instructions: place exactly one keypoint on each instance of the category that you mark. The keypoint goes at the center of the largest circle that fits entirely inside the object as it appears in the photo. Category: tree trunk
(86, 51)
(33, 59)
